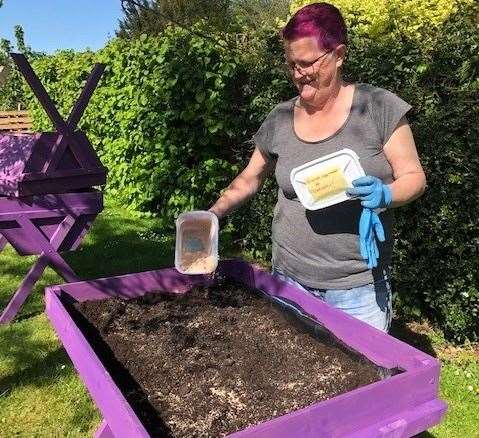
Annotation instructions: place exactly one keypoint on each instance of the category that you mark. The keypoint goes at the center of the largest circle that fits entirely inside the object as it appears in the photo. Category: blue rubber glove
(372, 192)
(370, 228)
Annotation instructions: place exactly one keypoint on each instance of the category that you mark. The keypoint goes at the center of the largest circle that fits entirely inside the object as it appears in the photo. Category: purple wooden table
(45, 225)
(400, 406)
(50, 162)
(39, 214)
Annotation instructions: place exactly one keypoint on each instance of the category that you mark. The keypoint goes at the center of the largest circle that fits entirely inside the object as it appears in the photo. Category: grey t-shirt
(320, 248)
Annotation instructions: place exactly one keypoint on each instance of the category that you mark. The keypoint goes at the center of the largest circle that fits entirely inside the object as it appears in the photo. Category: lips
(304, 83)
(307, 90)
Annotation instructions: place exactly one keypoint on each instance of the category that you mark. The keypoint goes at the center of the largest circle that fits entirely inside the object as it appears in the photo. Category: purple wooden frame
(50, 162)
(399, 406)
(45, 225)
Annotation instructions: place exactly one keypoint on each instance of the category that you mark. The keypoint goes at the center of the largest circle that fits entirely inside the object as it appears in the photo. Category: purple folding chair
(47, 200)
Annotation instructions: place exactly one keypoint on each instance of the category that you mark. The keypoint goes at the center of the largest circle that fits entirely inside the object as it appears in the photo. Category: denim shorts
(371, 303)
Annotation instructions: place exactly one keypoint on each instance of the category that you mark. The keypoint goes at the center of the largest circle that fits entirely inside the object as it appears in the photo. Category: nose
(297, 75)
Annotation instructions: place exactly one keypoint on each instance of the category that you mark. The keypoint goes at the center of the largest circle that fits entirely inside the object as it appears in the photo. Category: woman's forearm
(407, 188)
(244, 186)
(236, 194)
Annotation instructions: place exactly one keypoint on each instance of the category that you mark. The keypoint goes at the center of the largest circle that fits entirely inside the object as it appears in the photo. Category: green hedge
(436, 256)
(164, 118)
(173, 117)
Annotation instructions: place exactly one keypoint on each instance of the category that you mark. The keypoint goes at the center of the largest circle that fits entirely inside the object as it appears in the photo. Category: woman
(319, 251)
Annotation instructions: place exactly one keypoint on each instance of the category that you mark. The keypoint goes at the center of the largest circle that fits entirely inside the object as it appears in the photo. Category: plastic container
(196, 250)
(323, 182)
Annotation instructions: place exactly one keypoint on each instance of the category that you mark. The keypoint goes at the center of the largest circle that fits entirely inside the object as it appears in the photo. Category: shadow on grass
(119, 245)
(41, 371)
(31, 352)
(400, 330)
(116, 244)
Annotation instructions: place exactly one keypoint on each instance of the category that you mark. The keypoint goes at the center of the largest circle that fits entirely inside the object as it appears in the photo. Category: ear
(340, 55)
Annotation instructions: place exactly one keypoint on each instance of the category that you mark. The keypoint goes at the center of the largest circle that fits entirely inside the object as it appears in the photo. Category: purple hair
(319, 20)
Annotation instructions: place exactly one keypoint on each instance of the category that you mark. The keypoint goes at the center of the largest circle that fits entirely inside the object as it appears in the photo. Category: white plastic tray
(345, 160)
(201, 229)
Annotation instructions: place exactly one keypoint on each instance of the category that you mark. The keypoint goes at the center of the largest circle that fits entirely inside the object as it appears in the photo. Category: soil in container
(216, 360)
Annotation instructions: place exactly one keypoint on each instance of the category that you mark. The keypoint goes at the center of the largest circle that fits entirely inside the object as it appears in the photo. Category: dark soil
(216, 360)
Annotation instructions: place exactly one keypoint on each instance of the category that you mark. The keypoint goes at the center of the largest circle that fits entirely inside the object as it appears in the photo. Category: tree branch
(139, 6)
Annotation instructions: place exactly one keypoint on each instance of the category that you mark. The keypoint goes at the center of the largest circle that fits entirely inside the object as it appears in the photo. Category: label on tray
(326, 183)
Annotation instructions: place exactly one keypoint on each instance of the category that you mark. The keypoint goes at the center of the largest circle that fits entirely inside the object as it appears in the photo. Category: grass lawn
(40, 393)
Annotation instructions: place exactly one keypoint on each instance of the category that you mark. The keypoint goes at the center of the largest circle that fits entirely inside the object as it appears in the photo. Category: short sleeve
(387, 110)
(263, 138)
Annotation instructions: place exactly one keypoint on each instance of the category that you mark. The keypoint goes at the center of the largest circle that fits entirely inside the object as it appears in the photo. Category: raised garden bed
(224, 359)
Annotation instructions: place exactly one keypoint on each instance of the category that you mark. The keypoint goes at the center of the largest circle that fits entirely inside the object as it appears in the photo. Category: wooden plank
(14, 125)
(14, 116)
(16, 129)
(116, 411)
(13, 128)
(15, 121)
(9, 113)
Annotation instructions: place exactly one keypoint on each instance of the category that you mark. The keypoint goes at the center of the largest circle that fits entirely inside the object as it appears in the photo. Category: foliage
(256, 13)
(153, 16)
(174, 114)
(416, 19)
(12, 94)
(440, 233)
(232, 16)
(163, 119)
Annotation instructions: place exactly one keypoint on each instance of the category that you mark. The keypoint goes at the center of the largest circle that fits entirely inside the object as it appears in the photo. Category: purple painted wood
(98, 381)
(45, 225)
(3, 242)
(104, 431)
(33, 169)
(85, 96)
(47, 212)
(23, 159)
(400, 406)
(24, 290)
(25, 68)
(15, 151)
(56, 162)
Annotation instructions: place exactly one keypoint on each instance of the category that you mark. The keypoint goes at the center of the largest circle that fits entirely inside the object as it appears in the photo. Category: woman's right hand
(215, 212)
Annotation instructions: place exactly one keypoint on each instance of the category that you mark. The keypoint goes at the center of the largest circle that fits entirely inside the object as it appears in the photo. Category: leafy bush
(163, 119)
(416, 19)
(12, 96)
(173, 117)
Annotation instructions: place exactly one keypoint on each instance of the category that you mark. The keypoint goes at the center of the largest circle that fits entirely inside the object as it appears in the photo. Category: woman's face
(313, 69)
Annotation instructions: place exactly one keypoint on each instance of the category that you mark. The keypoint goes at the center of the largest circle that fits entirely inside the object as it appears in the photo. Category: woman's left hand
(372, 192)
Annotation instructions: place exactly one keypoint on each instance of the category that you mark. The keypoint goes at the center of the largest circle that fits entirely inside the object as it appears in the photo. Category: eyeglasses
(304, 68)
